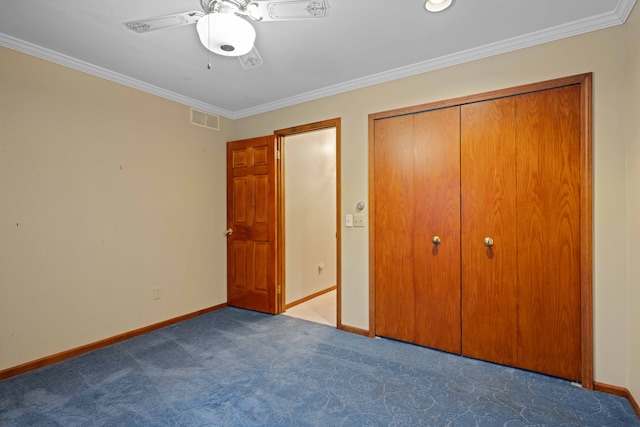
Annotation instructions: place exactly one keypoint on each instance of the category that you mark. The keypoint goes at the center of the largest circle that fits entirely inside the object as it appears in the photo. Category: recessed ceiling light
(437, 5)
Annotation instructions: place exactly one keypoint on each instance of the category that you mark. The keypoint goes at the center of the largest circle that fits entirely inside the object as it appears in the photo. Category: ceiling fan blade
(283, 10)
(164, 21)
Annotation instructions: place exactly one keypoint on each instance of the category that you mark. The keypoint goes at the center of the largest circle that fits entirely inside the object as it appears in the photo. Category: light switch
(358, 220)
(348, 221)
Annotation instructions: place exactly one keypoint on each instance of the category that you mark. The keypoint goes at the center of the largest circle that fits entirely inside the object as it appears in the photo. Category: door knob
(436, 240)
(229, 231)
(488, 242)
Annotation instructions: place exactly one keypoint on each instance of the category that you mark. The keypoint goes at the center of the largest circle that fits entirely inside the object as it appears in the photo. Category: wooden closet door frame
(584, 81)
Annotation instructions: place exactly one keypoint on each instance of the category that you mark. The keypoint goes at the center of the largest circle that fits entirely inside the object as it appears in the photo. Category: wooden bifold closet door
(548, 232)
(477, 229)
(488, 143)
(521, 189)
(417, 170)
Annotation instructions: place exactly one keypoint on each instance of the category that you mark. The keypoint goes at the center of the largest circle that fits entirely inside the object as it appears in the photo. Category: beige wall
(633, 196)
(602, 53)
(105, 193)
(310, 213)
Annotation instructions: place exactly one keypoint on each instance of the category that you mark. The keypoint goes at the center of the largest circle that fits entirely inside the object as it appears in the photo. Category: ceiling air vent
(206, 120)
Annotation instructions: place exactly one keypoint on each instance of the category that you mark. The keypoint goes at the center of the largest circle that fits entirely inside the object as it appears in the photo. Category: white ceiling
(359, 43)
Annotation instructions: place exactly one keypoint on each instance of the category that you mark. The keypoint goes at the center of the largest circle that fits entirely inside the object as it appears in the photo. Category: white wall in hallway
(310, 212)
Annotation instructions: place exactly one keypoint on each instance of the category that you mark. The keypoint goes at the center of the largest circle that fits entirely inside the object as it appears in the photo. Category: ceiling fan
(224, 26)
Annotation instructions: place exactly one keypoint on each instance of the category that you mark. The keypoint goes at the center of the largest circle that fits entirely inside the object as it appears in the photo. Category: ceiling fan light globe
(437, 5)
(226, 34)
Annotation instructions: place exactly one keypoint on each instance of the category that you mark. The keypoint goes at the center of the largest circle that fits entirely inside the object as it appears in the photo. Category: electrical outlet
(157, 293)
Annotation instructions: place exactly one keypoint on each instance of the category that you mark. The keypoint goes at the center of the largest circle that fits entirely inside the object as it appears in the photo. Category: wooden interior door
(548, 234)
(252, 224)
(488, 185)
(417, 181)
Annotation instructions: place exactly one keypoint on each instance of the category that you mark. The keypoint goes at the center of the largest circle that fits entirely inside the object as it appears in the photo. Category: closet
(478, 226)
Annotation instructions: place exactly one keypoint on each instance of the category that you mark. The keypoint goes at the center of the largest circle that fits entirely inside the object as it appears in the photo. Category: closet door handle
(436, 240)
(488, 242)
(229, 231)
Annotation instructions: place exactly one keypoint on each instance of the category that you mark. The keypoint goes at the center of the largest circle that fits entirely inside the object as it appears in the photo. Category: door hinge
(278, 289)
(277, 154)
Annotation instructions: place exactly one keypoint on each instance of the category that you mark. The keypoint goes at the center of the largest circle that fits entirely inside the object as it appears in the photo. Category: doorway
(309, 238)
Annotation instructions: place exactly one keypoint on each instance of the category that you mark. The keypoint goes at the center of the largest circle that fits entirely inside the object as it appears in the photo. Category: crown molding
(606, 20)
(598, 22)
(85, 67)
(623, 9)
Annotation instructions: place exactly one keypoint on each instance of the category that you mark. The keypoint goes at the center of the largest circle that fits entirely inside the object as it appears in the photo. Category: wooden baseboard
(353, 330)
(312, 296)
(618, 391)
(59, 357)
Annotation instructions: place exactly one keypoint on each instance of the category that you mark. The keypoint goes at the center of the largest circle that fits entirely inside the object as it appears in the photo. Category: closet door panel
(437, 213)
(488, 164)
(394, 227)
(548, 198)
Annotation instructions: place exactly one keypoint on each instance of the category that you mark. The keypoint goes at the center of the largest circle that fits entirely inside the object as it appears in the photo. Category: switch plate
(157, 293)
(348, 221)
(358, 220)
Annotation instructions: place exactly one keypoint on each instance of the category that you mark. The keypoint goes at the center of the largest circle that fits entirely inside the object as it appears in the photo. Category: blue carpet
(235, 367)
